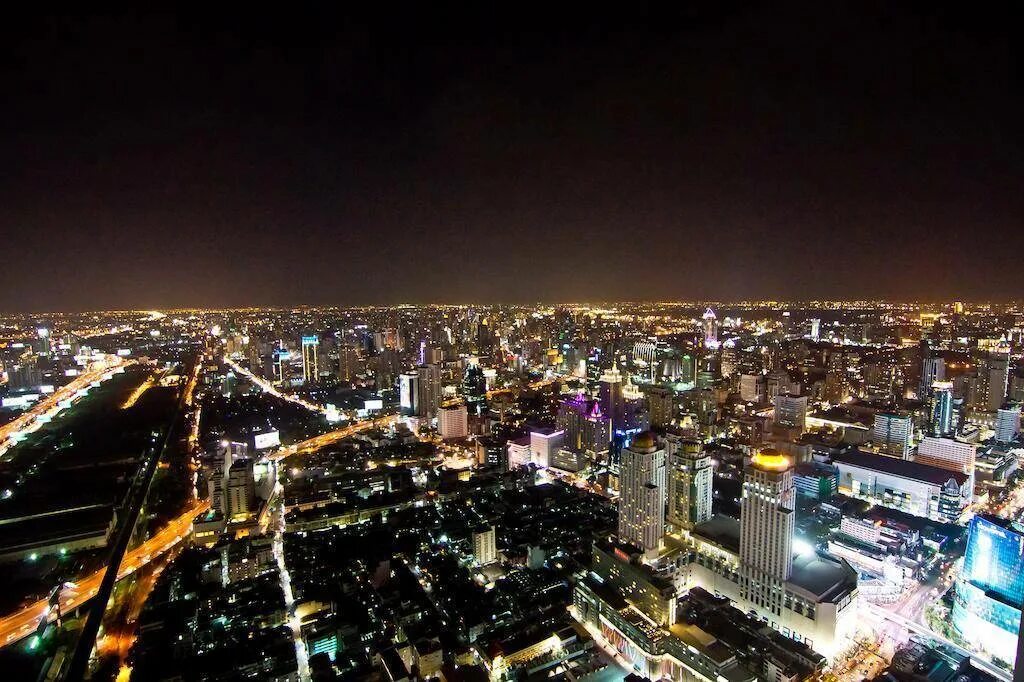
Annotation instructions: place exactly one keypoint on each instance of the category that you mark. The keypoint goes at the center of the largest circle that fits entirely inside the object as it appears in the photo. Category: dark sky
(437, 155)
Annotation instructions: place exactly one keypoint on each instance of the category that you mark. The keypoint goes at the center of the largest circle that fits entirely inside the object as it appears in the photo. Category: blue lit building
(990, 590)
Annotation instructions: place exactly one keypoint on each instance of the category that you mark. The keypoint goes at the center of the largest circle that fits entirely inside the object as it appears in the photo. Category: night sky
(434, 155)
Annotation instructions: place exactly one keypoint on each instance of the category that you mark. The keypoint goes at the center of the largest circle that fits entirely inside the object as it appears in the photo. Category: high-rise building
(1007, 422)
(586, 427)
(544, 443)
(947, 453)
(348, 362)
(281, 357)
(240, 489)
(933, 368)
(710, 328)
(940, 409)
(612, 402)
(310, 363)
(892, 433)
(767, 520)
(791, 411)
(642, 493)
(408, 393)
(428, 390)
(660, 405)
(484, 549)
(989, 591)
(989, 381)
(690, 481)
(452, 421)
(474, 388)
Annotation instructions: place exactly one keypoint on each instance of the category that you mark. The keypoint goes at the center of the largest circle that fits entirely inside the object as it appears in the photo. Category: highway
(317, 442)
(97, 371)
(271, 389)
(16, 626)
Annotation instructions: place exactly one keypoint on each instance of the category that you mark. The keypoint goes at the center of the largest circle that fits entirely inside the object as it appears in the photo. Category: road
(20, 624)
(317, 442)
(134, 502)
(271, 389)
(99, 370)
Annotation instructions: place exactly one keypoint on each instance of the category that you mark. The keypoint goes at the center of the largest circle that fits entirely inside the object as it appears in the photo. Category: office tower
(940, 409)
(610, 392)
(791, 411)
(453, 421)
(281, 356)
(660, 405)
(752, 388)
(240, 489)
(408, 393)
(544, 443)
(814, 328)
(947, 453)
(710, 329)
(933, 369)
(474, 388)
(892, 433)
(1007, 422)
(484, 549)
(988, 384)
(989, 591)
(690, 481)
(837, 385)
(348, 362)
(767, 516)
(585, 426)
(310, 364)
(428, 388)
(642, 492)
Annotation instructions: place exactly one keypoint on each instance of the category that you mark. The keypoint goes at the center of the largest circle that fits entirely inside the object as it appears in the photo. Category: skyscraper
(989, 592)
(933, 368)
(690, 481)
(767, 519)
(791, 411)
(710, 328)
(310, 365)
(428, 390)
(988, 384)
(892, 433)
(1007, 422)
(610, 392)
(642, 493)
(408, 393)
(940, 409)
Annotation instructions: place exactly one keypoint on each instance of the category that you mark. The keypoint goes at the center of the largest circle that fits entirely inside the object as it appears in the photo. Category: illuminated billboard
(267, 440)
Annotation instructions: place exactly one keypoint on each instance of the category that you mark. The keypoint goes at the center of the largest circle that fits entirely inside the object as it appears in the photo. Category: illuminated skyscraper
(892, 433)
(933, 368)
(689, 484)
(941, 409)
(642, 493)
(1007, 422)
(428, 390)
(611, 397)
(791, 411)
(408, 393)
(310, 365)
(710, 328)
(767, 517)
(989, 592)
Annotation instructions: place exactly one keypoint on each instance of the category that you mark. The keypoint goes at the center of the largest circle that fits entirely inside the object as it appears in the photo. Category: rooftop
(900, 467)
